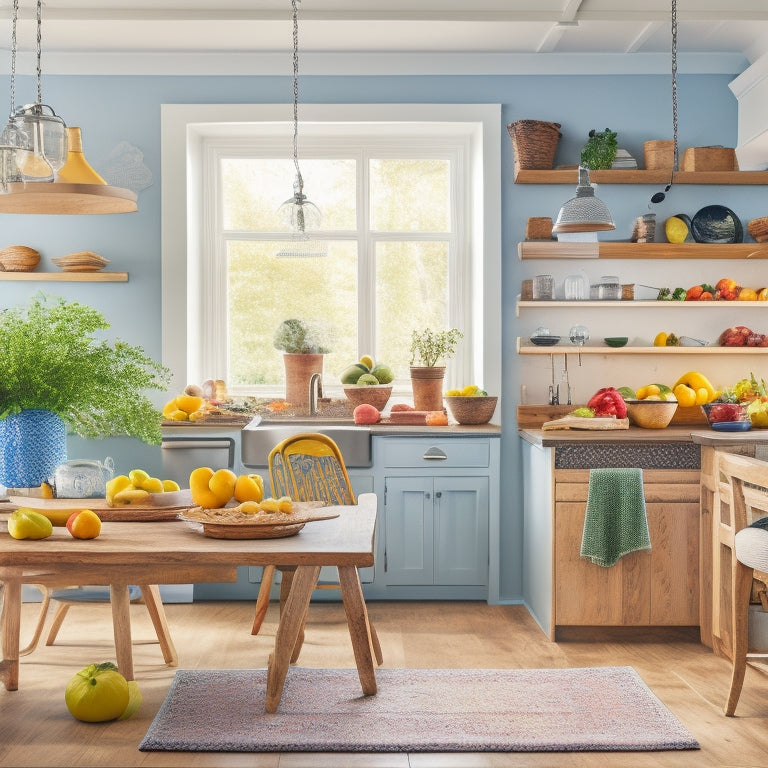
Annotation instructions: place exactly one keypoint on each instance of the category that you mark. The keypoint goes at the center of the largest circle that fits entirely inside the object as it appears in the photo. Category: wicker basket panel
(534, 142)
(19, 258)
(758, 228)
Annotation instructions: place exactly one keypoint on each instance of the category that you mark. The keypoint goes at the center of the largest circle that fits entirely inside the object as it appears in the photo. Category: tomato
(97, 693)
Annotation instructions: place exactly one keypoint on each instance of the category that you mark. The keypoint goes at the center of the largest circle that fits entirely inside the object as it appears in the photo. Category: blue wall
(114, 109)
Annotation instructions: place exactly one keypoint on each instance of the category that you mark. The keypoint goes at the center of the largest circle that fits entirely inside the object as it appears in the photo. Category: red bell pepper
(608, 402)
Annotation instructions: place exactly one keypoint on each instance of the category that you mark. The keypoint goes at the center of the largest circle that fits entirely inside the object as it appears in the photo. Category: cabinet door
(461, 530)
(409, 530)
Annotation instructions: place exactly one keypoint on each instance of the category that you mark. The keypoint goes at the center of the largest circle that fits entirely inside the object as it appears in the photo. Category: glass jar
(609, 288)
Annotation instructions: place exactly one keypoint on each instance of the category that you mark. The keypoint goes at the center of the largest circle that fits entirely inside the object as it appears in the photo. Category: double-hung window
(401, 246)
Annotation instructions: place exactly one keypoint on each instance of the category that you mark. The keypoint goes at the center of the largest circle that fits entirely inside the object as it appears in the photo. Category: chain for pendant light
(674, 84)
(299, 179)
(13, 56)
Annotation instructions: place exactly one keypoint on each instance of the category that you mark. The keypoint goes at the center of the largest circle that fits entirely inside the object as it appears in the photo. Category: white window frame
(191, 133)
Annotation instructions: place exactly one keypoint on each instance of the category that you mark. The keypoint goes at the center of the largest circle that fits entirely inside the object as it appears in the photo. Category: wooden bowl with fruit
(471, 409)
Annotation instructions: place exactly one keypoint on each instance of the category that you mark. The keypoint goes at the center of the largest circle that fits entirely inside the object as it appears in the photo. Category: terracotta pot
(298, 371)
(427, 385)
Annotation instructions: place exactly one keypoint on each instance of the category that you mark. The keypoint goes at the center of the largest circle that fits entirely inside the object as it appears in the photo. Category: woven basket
(758, 228)
(19, 258)
(472, 410)
(376, 395)
(659, 154)
(534, 142)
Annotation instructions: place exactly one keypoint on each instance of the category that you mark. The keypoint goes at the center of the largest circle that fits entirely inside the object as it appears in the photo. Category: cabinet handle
(434, 454)
(438, 494)
(427, 495)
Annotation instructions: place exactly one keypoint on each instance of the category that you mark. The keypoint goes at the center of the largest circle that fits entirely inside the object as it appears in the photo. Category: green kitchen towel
(615, 523)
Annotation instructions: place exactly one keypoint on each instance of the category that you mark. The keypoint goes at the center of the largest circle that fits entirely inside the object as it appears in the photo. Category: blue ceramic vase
(32, 444)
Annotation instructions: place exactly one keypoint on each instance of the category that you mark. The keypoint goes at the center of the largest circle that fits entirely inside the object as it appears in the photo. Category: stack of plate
(82, 261)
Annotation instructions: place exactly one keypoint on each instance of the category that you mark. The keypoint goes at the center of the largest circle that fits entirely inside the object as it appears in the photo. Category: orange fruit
(249, 488)
(84, 524)
(747, 294)
(210, 489)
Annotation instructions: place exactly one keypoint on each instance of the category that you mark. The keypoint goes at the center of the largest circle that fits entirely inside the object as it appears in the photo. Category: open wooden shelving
(67, 277)
(640, 176)
(552, 249)
(524, 348)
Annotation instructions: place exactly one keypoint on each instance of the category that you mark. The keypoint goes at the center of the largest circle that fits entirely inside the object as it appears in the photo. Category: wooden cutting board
(581, 422)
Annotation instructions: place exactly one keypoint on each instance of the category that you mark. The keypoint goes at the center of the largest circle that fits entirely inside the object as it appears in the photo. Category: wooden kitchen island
(683, 581)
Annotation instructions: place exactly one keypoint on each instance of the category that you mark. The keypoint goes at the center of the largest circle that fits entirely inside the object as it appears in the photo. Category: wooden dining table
(177, 552)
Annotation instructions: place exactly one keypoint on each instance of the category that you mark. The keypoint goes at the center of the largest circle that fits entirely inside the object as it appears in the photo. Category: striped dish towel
(616, 523)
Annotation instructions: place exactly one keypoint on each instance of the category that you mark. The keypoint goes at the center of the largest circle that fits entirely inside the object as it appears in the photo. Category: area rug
(417, 710)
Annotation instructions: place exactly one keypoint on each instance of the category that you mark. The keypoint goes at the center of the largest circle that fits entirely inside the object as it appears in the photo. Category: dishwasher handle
(188, 443)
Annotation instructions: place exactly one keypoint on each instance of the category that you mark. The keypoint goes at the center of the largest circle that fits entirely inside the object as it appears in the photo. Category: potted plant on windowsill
(303, 354)
(58, 377)
(428, 349)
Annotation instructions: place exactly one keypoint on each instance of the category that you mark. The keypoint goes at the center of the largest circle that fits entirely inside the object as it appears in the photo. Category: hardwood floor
(37, 730)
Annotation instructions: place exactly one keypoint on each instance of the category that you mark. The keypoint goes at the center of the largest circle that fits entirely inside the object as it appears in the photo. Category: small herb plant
(51, 360)
(600, 150)
(296, 337)
(428, 346)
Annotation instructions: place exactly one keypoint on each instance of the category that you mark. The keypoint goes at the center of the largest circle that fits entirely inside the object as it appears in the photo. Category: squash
(97, 693)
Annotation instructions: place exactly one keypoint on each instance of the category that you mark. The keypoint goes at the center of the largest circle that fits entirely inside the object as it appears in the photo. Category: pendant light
(660, 196)
(298, 215)
(585, 212)
(37, 148)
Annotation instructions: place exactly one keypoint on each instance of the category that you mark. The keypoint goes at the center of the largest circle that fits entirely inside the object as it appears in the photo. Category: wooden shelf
(640, 304)
(570, 176)
(552, 249)
(67, 277)
(524, 348)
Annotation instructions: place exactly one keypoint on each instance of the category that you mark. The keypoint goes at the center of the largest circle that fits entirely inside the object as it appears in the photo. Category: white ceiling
(548, 35)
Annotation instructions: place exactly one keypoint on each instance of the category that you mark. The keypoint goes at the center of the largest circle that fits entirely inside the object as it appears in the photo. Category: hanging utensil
(554, 390)
(566, 379)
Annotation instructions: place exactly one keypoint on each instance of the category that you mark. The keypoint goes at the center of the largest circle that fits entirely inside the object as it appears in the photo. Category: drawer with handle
(418, 452)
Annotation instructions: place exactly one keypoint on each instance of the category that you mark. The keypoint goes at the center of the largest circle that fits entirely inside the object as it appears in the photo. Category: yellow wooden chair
(307, 467)
(748, 480)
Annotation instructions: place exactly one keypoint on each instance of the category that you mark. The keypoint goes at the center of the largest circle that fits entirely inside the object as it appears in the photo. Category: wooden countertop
(635, 435)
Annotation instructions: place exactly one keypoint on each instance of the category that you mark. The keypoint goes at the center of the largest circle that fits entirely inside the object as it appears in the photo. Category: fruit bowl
(376, 395)
(473, 409)
(616, 341)
(721, 413)
(651, 414)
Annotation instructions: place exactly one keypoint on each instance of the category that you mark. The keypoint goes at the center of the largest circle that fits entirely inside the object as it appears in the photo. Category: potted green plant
(303, 353)
(428, 349)
(600, 150)
(57, 376)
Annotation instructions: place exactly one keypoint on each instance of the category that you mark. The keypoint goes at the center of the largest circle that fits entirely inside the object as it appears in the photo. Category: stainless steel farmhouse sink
(258, 439)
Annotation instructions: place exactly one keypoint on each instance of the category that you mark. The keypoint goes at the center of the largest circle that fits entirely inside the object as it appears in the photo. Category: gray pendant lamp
(585, 212)
(298, 215)
(42, 168)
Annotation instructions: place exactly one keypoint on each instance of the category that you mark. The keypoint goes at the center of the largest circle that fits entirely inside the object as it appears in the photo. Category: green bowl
(616, 341)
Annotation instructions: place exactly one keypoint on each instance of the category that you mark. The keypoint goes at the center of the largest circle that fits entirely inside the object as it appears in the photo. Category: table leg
(285, 589)
(154, 603)
(291, 622)
(121, 625)
(359, 628)
(11, 628)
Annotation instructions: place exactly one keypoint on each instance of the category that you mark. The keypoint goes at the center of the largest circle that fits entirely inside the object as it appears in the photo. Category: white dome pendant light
(298, 215)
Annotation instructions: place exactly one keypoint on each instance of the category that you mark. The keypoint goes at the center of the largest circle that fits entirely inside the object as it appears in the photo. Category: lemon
(25, 523)
(469, 390)
(367, 361)
(675, 229)
(660, 340)
(134, 700)
(170, 485)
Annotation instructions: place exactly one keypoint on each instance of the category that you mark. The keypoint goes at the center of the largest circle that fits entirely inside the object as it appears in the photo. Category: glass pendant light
(45, 131)
(298, 215)
(14, 145)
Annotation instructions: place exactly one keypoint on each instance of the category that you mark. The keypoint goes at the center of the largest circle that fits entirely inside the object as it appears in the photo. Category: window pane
(253, 189)
(264, 290)
(411, 294)
(410, 195)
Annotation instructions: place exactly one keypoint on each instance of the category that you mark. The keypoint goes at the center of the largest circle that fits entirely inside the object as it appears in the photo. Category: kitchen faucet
(315, 393)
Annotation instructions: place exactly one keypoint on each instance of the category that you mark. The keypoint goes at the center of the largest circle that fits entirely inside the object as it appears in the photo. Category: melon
(383, 373)
(353, 373)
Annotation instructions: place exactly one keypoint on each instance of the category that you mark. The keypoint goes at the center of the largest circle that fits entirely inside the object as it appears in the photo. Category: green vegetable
(586, 413)
(679, 294)
(664, 295)
(51, 360)
(627, 393)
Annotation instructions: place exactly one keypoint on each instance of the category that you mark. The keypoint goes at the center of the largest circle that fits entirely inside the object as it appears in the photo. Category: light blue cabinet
(436, 531)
